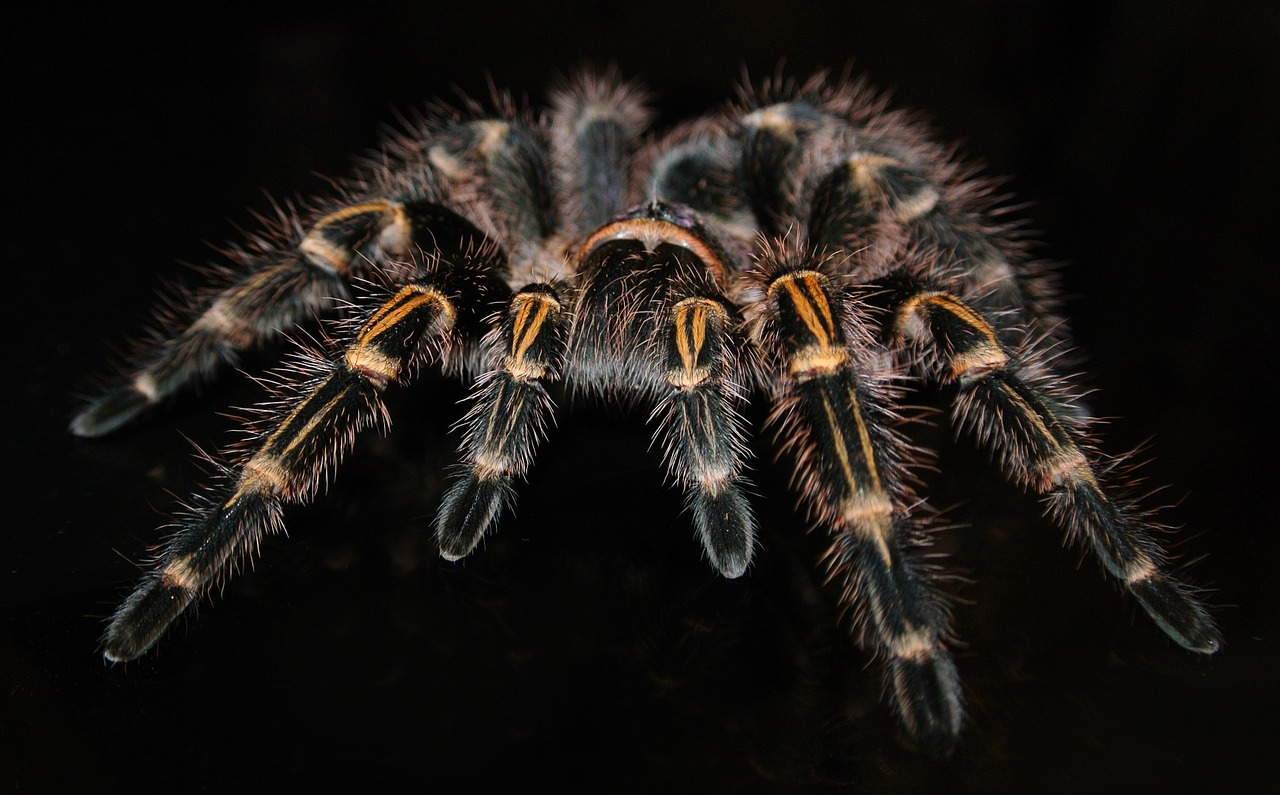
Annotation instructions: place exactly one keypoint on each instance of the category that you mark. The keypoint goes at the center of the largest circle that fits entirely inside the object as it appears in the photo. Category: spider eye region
(655, 226)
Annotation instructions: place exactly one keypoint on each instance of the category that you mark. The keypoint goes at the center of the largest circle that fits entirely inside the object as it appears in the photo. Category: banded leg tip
(110, 412)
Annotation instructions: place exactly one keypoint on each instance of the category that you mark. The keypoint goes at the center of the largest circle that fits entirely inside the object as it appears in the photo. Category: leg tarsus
(111, 411)
(927, 695)
(471, 505)
(1177, 612)
(726, 528)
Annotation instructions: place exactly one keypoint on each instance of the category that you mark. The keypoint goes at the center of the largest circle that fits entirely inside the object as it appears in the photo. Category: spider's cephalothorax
(804, 245)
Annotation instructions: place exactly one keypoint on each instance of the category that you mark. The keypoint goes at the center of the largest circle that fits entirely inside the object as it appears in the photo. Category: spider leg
(508, 419)
(303, 441)
(651, 324)
(1012, 408)
(831, 160)
(703, 435)
(282, 286)
(585, 163)
(835, 421)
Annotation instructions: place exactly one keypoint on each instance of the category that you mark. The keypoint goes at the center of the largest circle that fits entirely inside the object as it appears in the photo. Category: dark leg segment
(702, 434)
(281, 290)
(508, 421)
(301, 446)
(1040, 442)
(651, 324)
(849, 479)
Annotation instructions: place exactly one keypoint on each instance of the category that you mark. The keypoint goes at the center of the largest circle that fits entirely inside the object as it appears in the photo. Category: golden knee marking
(992, 272)
(977, 361)
(866, 168)
(320, 250)
(488, 465)
(870, 516)
(913, 320)
(531, 313)
(913, 645)
(375, 365)
(262, 474)
(773, 119)
(145, 385)
(714, 482)
(1139, 570)
(918, 205)
(814, 360)
(1068, 466)
(179, 574)
(806, 293)
(523, 370)
(492, 134)
(223, 321)
(690, 318)
(410, 298)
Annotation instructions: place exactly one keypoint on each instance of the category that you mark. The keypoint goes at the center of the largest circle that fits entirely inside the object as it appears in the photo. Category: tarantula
(805, 244)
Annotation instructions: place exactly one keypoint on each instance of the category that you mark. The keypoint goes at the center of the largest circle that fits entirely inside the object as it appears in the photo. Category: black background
(587, 643)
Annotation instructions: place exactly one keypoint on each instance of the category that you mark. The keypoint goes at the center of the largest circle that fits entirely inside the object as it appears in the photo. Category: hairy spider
(805, 244)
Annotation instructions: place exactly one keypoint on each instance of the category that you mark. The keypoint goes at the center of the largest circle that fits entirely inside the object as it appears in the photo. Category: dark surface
(587, 643)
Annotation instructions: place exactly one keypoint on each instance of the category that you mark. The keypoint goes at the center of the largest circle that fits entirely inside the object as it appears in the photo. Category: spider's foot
(1179, 614)
(727, 530)
(926, 688)
(468, 509)
(111, 411)
(144, 617)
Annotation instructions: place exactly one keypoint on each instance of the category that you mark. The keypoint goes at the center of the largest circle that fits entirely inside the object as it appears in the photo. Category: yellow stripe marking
(311, 424)
(864, 437)
(405, 302)
(1068, 463)
(805, 307)
(266, 471)
(867, 502)
(524, 332)
(811, 304)
(319, 249)
(955, 306)
(693, 314)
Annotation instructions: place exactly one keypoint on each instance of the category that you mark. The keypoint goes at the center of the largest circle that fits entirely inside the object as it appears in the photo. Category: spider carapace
(805, 245)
